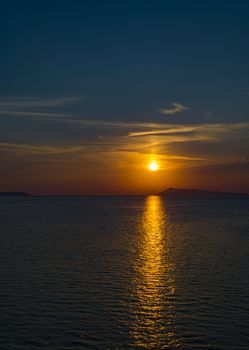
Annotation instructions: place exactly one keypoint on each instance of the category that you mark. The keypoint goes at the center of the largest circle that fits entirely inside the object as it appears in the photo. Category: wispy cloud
(36, 107)
(36, 102)
(29, 114)
(119, 138)
(170, 130)
(175, 108)
(25, 149)
(102, 150)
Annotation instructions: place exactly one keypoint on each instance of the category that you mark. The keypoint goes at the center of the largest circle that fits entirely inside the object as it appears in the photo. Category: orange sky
(209, 156)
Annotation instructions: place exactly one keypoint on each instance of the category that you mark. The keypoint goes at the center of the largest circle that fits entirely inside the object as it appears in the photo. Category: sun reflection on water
(154, 288)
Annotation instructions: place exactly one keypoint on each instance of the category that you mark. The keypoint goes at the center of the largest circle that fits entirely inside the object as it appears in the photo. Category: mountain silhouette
(195, 193)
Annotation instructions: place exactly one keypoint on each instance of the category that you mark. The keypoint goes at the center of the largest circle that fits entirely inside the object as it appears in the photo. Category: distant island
(171, 193)
(19, 194)
(191, 193)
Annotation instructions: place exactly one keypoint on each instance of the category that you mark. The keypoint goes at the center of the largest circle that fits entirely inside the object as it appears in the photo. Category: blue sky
(75, 75)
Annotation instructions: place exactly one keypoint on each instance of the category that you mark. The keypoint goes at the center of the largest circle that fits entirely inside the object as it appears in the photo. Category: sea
(124, 273)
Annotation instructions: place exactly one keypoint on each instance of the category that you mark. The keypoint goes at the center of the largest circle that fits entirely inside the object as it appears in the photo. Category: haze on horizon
(90, 95)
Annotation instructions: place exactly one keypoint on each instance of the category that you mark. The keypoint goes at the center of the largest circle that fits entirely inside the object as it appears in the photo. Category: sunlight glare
(153, 166)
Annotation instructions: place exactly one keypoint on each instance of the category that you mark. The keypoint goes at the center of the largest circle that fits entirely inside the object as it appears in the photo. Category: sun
(153, 166)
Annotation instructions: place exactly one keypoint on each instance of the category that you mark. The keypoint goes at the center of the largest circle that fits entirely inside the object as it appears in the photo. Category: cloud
(185, 141)
(65, 151)
(37, 134)
(28, 114)
(175, 108)
(10, 103)
(36, 107)
(24, 149)
(170, 130)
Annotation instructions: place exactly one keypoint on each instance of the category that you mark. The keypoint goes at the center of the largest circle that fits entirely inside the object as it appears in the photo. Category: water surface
(123, 273)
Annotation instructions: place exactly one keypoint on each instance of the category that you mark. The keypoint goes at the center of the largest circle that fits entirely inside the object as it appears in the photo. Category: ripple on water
(123, 273)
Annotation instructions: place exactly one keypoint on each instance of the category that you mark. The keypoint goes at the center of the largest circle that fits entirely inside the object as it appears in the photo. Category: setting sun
(153, 166)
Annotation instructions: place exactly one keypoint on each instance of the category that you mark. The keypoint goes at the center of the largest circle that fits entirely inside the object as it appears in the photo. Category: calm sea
(123, 273)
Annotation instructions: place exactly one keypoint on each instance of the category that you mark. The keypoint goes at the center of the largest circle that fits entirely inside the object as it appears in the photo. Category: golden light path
(154, 287)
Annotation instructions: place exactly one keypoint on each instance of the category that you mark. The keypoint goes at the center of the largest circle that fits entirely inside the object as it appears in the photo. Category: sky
(91, 92)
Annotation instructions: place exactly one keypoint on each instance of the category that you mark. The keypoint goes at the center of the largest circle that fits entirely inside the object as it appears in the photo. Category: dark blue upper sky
(127, 60)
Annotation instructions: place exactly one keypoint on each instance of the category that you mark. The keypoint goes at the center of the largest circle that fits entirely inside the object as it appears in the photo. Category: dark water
(123, 273)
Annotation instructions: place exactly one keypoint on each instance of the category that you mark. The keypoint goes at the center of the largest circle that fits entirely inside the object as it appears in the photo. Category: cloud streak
(27, 114)
(37, 107)
(36, 102)
(168, 140)
(68, 149)
(175, 108)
